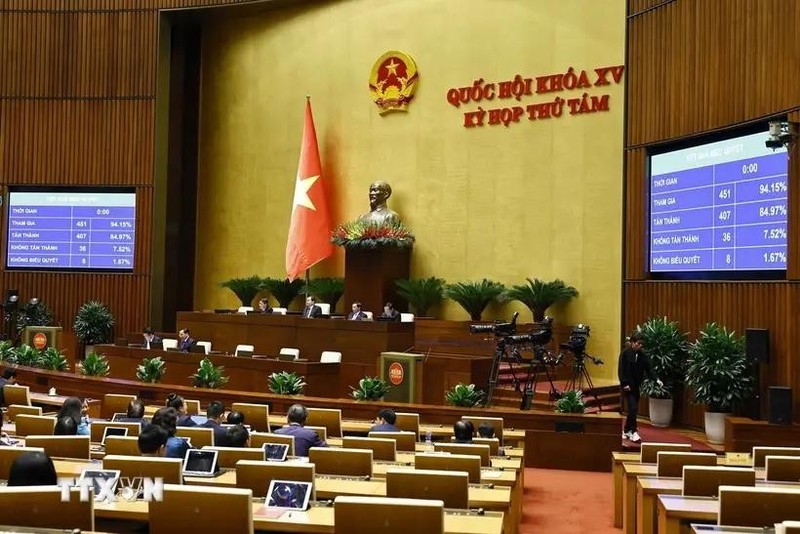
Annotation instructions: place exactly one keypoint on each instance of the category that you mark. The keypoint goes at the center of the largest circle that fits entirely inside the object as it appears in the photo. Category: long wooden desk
(317, 519)
(675, 511)
(54, 402)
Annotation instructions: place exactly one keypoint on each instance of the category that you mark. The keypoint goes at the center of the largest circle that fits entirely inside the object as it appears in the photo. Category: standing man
(311, 310)
(186, 342)
(633, 365)
(356, 314)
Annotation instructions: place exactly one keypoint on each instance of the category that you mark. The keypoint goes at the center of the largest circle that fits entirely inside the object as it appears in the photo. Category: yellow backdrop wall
(535, 199)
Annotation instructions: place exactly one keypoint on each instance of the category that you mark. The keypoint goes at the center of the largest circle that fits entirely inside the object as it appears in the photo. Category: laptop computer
(276, 452)
(113, 431)
(201, 463)
(286, 357)
(288, 494)
(119, 416)
(245, 354)
(98, 476)
(198, 349)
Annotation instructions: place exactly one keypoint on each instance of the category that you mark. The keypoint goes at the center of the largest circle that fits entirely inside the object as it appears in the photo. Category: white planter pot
(87, 350)
(661, 412)
(715, 427)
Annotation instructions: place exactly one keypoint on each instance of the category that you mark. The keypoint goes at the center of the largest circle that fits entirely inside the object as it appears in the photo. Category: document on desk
(491, 474)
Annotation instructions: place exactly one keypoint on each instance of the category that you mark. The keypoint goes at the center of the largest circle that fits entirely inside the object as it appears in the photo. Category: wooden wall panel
(694, 68)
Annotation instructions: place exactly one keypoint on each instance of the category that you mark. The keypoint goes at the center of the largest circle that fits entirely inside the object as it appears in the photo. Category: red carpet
(666, 435)
(567, 502)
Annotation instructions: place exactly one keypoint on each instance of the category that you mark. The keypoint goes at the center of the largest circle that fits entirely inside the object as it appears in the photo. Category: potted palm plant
(151, 370)
(209, 375)
(285, 383)
(93, 365)
(328, 290)
(539, 295)
(370, 389)
(571, 402)
(720, 375)
(465, 395)
(420, 293)
(54, 360)
(245, 289)
(474, 296)
(94, 324)
(283, 290)
(666, 347)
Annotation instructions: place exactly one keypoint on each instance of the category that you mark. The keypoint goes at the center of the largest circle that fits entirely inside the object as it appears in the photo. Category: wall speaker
(780, 405)
(756, 342)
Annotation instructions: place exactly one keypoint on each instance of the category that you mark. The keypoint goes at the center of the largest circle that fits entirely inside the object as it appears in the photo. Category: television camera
(499, 328)
(576, 344)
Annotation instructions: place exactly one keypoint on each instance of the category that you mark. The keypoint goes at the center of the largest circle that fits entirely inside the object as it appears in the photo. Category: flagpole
(307, 278)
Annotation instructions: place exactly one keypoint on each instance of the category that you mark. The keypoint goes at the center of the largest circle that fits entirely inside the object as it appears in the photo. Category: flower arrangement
(370, 235)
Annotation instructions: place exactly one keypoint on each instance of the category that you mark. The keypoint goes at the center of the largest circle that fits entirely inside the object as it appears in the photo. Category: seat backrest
(244, 309)
(115, 403)
(704, 481)
(16, 394)
(406, 317)
(62, 446)
(228, 456)
(122, 446)
(325, 307)
(258, 439)
(649, 451)
(192, 406)
(169, 343)
(321, 431)
(330, 356)
(758, 506)
(205, 344)
(244, 348)
(496, 422)
(382, 449)
(406, 441)
(279, 311)
(20, 409)
(9, 454)
(97, 428)
(35, 425)
(255, 415)
(451, 462)
(146, 466)
(291, 352)
(369, 315)
(760, 454)
(451, 487)
(42, 507)
(472, 449)
(330, 418)
(256, 476)
(670, 464)
(408, 422)
(783, 469)
(396, 516)
(493, 443)
(348, 462)
(200, 436)
(202, 509)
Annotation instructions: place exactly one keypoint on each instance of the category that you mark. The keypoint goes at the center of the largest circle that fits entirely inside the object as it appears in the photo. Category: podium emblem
(39, 341)
(393, 81)
(396, 374)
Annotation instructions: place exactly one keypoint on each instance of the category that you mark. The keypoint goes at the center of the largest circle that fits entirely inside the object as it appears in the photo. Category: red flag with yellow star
(310, 229)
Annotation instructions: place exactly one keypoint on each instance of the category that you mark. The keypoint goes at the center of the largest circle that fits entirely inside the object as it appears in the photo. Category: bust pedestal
(369, 276)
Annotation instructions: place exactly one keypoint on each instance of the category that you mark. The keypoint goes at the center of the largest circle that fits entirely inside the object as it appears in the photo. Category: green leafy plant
(94, 323)
(284, 291)
(34, 314)
(286, 383)
(209, 375)
(539, 295)
(474, 296)
(245, 289)
(328, 290)
(94, 365)
(370, 235)
(718, 370)
(370, 388)
(151, 370)
(571, 402)
(7, 352)
(420, 293)
(464, 395)
(667, 348)
(53, 359)
(27, 356)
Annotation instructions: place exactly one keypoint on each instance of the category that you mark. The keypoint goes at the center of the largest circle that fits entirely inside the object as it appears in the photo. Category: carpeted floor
(651, 433)
(567, 502)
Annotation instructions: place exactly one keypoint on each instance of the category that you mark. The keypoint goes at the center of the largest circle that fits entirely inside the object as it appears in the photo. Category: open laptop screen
(113, 431)
(276, 452)
(288, 494)
(200, 461)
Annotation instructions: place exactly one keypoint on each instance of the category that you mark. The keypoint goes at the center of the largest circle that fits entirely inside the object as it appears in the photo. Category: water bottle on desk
(428, 441)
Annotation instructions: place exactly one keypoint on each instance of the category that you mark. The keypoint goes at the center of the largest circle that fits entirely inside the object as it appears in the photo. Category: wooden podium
(42, 337)
(403, 372)
(369, 276)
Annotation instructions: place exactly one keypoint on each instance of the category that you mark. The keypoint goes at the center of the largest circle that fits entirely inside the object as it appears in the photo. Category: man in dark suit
(186, 341)
(9, 377)
(632, 368)
(311, 310)
(390, 313)
(463, 431)
(385, 421)
(151, 340)
(304, 438)
(356, 314)
(135, 413)
(263, 306)
(214, 413)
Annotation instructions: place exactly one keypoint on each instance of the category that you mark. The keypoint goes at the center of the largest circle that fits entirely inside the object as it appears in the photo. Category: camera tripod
(535, 366)
(580, 377)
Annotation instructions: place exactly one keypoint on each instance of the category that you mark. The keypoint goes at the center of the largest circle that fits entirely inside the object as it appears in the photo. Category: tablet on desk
(200, 463)
(288, 495)
(100, 478)
(113, 431)
(119, 416)
(276, 452)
